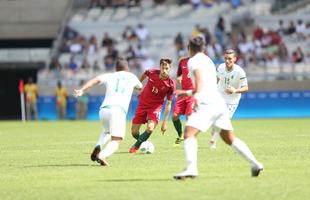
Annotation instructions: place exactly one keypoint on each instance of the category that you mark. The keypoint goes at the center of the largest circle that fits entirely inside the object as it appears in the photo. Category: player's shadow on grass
(137, 180)
(62, 165)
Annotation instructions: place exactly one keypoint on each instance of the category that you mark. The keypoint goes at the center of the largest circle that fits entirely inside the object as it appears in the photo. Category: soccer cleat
(255, 170)
(103, 162)
(95, 153)
(133, 149)
(186, 174)
(178, 141)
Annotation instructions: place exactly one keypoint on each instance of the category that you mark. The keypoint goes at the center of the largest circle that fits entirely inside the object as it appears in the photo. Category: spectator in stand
(142, 34)
(70, 33)
(108, 63)
(220, 31)
(178, 40)
(301, 30)
(281, 29)
(56, 67)
(258, 33)
(298, 56)
(77, 45)
(110, 58)
(129, 34)
(207, 35)
(282, 53)
(96, 66)
(85, 65)
(179, 46)
(291, 29)
(73, 65)
(195, 4)
(140, 51)
(92, 46)
(214, 51)
(130, 53)
(196, 31)
(107, 40)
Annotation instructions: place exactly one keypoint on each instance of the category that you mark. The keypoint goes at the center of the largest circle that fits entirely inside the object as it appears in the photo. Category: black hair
(121, 64)
(196, 44)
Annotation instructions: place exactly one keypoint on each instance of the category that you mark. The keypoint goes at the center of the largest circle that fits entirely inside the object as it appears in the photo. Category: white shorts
(114, 121)
(210, 115)
(232, 109)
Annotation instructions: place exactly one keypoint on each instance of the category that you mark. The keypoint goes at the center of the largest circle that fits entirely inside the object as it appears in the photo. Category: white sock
(111, 147)
(240, 147)
(104, 137)
(215, 132)
(190, 147)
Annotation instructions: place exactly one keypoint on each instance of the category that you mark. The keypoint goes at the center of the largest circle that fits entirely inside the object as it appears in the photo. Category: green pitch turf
(50, 160)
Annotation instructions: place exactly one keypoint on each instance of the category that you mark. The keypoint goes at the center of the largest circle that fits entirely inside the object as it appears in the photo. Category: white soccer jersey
(119, 88)
(209, 92)
(212, 109)
(235, 78)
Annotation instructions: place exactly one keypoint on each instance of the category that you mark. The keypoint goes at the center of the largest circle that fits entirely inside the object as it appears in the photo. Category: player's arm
(232, 90)
(179, 79)
(138, 85)
(198, 85)
(143, 77)
(243, 83)
(166, 114)
(86, 86)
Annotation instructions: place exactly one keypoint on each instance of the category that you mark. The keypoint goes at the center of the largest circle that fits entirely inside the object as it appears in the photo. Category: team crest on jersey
(163, 87)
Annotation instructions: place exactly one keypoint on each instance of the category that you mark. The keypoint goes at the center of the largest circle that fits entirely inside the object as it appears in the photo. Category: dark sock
(143, 137)
(178, 126)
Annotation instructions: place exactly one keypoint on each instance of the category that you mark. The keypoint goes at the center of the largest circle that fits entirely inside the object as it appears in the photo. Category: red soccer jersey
(187, 83)
(156, 90)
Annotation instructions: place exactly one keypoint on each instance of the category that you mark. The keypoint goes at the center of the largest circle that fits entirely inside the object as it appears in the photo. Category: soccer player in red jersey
(183, 105)
(151, 99)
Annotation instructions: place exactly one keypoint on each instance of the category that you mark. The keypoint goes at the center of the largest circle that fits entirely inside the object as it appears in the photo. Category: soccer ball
(147, 147)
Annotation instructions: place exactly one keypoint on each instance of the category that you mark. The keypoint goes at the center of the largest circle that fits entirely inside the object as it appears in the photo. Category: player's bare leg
(135, 128)
(111, 147)
(178, 127)
(242, 149)
(144, 136)
(190, 148)
(215, 133)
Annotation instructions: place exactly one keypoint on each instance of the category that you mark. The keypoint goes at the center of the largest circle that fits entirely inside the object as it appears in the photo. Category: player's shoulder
(171, 82)
(183, 59)
(238, 68)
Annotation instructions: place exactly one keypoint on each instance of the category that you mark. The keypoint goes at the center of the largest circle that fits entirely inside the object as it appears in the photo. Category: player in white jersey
(210, 110)
(232, 82)
(113, 110)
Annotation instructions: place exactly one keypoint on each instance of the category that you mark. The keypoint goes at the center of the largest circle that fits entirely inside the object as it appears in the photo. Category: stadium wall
(262, 104)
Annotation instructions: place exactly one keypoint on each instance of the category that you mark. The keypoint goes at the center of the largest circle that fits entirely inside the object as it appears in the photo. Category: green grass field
(50, 160)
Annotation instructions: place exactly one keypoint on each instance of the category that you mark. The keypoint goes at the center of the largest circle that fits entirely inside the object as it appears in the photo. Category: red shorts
(145, 113)
(184, 105)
